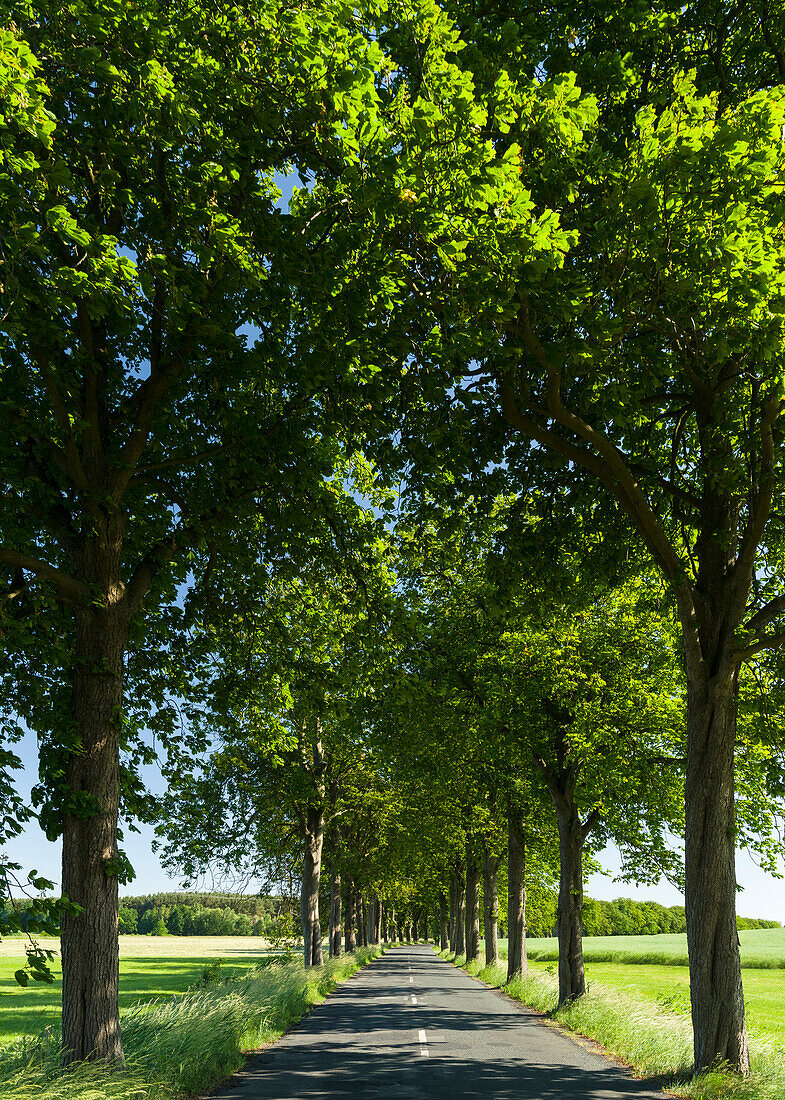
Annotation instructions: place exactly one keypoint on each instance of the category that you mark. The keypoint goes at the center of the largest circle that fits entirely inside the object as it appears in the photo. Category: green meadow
(760, 949)
(28, 1011)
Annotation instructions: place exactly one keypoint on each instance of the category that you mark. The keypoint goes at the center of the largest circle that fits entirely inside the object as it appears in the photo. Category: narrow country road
(411, 1025)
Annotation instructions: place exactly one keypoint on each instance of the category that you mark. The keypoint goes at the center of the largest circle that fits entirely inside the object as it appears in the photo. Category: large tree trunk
(569, 927)
(516, 896)
(444, 940)
(716, 991)
(89, 943)
(335, 912)
(391, 926)
(416, 924)
(491, 907)
(472, 904)
(350, 938)
(309, 894)
(377, 921)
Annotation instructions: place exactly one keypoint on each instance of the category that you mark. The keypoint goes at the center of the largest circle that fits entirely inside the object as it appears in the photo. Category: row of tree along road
(430, 515)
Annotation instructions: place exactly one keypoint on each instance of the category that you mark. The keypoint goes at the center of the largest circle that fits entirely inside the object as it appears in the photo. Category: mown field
(760, 948)
(151, 968)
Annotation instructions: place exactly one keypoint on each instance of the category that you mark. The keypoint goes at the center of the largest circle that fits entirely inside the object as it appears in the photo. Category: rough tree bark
(362, 926)
(90, 950)
(370, 919)
(561, 781)
(516, 895)
(309, 894)
(460, 912)
(350, 934)
(377, 921)
(569, 929)
(472, 946)
(335, 911)
(416, 924)
(716, 992)
(491, 866)
(453, 930)
(444, 939)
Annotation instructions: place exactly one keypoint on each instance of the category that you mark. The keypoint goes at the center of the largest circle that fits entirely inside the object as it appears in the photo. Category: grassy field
(762, 949)
(151, 967)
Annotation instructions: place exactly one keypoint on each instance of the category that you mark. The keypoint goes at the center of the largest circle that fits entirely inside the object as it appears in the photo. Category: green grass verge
(181, 1047)
(761, 949)
(669, 987)
(653, 1039)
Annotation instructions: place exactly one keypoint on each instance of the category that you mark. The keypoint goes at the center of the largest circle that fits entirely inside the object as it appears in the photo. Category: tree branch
(75, 469)
(761, 502)
(608, 458)
(70, 590)
(591, 821)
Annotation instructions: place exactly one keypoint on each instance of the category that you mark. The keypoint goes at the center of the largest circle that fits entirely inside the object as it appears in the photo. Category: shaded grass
(652, 1038)
(183, 1046)
(28, 1011)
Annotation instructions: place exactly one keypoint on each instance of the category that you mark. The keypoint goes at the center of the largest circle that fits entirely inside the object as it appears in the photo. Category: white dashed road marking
(423, 1044)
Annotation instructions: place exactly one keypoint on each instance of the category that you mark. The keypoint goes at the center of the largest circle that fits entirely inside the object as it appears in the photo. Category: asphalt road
(411, 1025)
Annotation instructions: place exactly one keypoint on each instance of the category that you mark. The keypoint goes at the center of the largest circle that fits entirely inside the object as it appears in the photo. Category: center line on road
(423, 1044)
(414, 999)
(411, 981)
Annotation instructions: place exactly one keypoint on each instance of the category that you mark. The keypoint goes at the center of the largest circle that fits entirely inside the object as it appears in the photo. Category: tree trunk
(716, 991)
(362, 927)
(350, 938)
(391, 929)
(472, 904)
(444, 941)
(369, 920)
(309, 894)
(89, 944)
(460, 913)
(407, 931)
(335, 912)
(377, 923)
(572, 979)
(516, 896)
(453, 912)
(491, 907)
(416, 924)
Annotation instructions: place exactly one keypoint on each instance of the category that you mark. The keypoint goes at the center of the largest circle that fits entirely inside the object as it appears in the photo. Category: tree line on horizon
(424, 525)
(250, 915)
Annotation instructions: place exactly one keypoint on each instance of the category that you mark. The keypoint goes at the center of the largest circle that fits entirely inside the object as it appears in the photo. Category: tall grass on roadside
(185, 1045)
(654, 1041)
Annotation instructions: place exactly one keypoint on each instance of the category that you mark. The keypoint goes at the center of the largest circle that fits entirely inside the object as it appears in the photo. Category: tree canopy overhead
(528, 304)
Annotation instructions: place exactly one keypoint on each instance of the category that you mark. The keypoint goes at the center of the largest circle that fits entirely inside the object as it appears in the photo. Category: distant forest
(214, 914)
